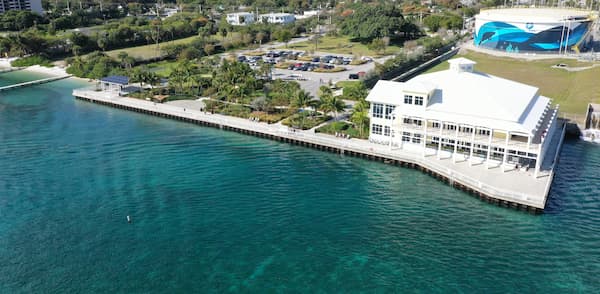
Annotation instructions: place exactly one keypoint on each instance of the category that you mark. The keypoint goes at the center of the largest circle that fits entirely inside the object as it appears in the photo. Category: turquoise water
(20, 76)
(215, 211)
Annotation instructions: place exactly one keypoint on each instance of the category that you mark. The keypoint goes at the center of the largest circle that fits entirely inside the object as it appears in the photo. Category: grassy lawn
(344, 128)
(305, 120)
(341, 45)
(572, 90)
(343, 84)
(148, 51)
(162, 68)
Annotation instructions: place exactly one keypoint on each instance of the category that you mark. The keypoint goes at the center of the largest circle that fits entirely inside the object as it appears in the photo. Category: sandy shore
(53, 71)
(5, 62)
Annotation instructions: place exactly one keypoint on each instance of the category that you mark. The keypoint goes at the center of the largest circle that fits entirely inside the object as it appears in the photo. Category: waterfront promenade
(515, 187)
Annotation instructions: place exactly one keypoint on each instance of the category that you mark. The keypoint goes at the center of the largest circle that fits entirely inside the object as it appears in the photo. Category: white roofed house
(280, 18)
(464, 114)
(240, 18)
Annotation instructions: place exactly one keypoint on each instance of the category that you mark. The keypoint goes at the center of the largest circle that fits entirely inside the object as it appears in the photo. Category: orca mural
(508, 37)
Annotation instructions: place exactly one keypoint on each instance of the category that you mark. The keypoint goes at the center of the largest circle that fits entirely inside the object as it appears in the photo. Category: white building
(31, 5)
(307, 14)
(468, 115)
(240, 18)
(281, 18)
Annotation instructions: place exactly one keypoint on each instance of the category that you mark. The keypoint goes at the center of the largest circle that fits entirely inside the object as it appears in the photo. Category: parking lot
(304, 71)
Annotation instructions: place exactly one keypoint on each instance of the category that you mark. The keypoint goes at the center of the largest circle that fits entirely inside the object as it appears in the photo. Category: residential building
(240, 18)
(468, 115)
(280, 18)
(32, 5)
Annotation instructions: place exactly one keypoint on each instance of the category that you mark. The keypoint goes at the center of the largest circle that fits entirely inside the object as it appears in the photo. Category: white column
(505, 156)
(472, 145)
(424, 136)
(440, 140)
(489, 150)
(401, 123)
(391, 134)
(455, 144)
(538, 164)
(529, 137)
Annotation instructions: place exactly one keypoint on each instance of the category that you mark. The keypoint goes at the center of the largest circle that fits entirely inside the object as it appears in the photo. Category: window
(436, 125)
(418, 100)
(416, 138)
(386, 131)
(389, 109)
(417, 122)
(405, 136)
(450, 127)
(378, 110)
(406, 120)
(484, 132)
(467, 130)
(376, 129)
(408, 99)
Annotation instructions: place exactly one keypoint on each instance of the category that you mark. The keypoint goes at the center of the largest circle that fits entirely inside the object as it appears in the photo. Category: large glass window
(418, 100)
(378, 110)
(386, 131)
(376, 129)
(408, 99)
(389, 109)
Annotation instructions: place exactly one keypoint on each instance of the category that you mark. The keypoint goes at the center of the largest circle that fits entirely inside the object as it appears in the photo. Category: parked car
(241, 58)
(353, 76)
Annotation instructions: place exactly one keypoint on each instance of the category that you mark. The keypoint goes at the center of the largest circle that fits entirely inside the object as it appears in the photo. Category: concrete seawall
(496, 187)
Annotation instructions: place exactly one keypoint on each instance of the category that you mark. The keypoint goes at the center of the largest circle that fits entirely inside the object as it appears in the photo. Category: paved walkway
(513, 185)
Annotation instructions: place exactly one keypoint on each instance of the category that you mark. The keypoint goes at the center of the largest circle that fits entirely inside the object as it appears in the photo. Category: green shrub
(305, 120)
(335, 69)
(32, 60)
(341, 127)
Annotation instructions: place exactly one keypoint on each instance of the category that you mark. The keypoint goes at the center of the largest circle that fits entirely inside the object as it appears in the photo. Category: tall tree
(360, 116)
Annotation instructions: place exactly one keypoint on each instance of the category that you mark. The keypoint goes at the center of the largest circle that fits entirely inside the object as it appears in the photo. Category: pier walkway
(36, 82)
(511, 188)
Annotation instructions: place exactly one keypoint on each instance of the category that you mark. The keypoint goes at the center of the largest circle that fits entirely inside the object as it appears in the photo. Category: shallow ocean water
(216, 211)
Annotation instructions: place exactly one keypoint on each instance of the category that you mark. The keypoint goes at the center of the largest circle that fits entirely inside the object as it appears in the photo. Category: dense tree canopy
(368, 22)
(14, 20)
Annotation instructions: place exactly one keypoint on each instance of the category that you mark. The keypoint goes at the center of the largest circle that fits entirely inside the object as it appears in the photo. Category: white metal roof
(472, 98)
(477, 94)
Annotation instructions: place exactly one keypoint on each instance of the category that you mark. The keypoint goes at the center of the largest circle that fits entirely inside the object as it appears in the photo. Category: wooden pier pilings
(456, 183)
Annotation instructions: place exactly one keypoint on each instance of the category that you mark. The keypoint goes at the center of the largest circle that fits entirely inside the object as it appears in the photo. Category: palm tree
(152, 79)
(330, 103)
(360, 116)
(302, 99)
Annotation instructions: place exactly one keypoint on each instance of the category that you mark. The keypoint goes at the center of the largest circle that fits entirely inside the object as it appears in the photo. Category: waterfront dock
(36, 82)
(516, 188)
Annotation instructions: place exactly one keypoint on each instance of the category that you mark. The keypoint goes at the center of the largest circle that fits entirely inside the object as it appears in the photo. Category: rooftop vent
(462, 64)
